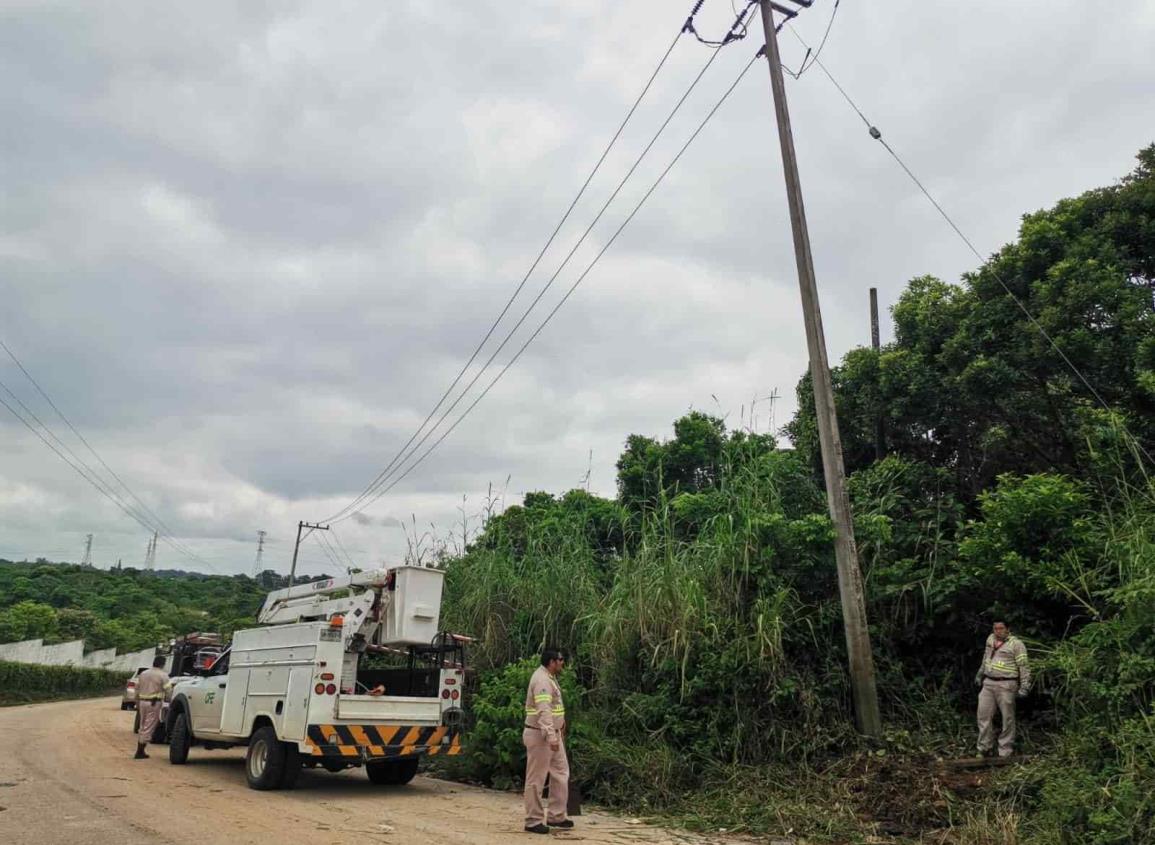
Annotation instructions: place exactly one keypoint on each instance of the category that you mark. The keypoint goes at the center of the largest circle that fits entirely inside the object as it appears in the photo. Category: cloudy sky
(245, 247)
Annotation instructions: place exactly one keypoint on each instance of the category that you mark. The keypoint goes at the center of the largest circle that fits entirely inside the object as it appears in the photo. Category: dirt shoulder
(67, 778)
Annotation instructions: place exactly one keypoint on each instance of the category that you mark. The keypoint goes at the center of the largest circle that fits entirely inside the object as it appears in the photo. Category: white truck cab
(351, 671)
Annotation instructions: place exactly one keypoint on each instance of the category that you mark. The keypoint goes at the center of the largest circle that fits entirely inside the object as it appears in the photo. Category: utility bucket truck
(345, 672)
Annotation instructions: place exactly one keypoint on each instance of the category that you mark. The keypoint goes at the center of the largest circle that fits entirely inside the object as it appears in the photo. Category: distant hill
(126, 609)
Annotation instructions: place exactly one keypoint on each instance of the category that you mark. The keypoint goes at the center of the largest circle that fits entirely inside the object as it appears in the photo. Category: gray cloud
(247, 248)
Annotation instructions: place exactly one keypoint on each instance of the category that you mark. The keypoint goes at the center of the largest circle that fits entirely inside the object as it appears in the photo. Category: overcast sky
(246, 246)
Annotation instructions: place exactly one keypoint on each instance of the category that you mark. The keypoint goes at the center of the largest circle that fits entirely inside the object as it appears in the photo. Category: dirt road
(67, 778)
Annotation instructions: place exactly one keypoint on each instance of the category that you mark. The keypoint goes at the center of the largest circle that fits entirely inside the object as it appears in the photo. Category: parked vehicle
(346, 672)
(128, 697)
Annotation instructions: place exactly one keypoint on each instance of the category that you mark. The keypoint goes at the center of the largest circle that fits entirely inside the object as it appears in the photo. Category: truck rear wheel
(392, 772)
(270, 763)
(180, 740)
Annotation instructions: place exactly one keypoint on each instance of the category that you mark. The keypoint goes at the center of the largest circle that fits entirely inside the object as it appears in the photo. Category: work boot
(140, 755)
(537, 828)
(565, 824)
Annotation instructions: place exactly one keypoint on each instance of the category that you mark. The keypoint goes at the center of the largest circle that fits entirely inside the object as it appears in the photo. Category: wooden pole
(850, 587)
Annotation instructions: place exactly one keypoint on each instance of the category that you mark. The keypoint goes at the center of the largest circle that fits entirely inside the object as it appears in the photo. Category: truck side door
(212, 691)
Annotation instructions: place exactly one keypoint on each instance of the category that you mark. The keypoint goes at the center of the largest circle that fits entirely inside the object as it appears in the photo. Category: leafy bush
(493, 752)
(24, 682)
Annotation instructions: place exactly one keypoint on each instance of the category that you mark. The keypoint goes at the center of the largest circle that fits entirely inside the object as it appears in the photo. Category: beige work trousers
(149, 718)
(998, 695)
(540, 761)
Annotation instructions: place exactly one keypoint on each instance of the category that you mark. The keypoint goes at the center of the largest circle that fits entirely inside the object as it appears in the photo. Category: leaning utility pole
(850, 587)
(87, 551)
(312, 526)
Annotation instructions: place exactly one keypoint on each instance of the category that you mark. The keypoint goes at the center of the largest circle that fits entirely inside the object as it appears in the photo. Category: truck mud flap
(378, 742)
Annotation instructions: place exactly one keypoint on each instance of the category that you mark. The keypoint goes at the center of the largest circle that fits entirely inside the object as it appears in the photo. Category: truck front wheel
(180, 740)
(270, 763)
(392, 772)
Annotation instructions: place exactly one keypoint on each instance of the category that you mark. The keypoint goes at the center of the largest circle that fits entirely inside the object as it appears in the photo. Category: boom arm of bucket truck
(398, 606)
(311, 602)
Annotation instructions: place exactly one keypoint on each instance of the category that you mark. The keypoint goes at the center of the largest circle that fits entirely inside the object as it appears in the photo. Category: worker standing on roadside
(150, 689)
(544, 738)
(1004, 676)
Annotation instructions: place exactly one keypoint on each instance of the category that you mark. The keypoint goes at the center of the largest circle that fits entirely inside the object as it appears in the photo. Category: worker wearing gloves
(544, 738)
(150, 689)
(1004, 676)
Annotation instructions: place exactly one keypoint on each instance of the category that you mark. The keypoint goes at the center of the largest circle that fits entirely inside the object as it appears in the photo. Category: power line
(521, 285)
(816, 53)
(87, 474)
(328, 550)
(81, 437)
(877, 135)
(341, 546)
(572, 288)
(384, 477)
(149, 519)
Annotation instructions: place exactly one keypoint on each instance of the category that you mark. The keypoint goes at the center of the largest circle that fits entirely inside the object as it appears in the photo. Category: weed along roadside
(708, 679)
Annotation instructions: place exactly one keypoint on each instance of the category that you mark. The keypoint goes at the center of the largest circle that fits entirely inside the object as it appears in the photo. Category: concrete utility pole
(312, 526)
(875, 340)
(849, 576)
(87, 551)
(876, 345)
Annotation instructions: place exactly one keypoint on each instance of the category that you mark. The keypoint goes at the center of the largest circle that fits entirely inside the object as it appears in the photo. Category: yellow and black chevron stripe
(381, 741)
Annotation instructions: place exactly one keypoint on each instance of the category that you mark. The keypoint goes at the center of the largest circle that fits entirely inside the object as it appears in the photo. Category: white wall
(66, 654)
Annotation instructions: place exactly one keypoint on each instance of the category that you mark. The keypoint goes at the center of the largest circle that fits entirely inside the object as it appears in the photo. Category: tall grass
(710, 651)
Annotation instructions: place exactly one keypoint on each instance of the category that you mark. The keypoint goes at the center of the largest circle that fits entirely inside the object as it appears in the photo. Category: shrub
(24, 682)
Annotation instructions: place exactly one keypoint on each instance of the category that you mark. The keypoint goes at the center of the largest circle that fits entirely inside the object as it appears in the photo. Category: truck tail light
(132, 684)
(445, 693)
(450, 681)
(326, 676)
(455, 695)
(319, 689)
(331, 689)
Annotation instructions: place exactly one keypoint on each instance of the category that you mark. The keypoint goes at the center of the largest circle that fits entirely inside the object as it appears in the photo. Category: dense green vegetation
(701, 604)
(21, 683)
(126, 609)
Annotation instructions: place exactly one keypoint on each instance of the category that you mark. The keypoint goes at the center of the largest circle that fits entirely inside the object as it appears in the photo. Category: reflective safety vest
(544, 708)
(1006, 661)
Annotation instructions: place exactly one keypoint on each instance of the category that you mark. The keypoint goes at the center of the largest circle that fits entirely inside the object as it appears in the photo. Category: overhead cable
(83, 439)
(572, 288)
(525, 278)
(876, 134)
(385, 475)
(94, 482)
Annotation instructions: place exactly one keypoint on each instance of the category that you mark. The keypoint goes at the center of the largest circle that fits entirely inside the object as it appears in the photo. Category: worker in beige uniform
(150, 689)
(544, 738)
(1005, 675)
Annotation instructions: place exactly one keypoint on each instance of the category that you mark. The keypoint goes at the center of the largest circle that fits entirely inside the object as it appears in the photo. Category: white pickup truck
(346, 672)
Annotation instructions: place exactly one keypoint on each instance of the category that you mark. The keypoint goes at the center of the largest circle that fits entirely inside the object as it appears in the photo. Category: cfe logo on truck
(209, 696)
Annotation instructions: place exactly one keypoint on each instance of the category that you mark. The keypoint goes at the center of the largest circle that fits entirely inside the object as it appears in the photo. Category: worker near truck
(1003, 677)
(544, 739)
(150, 689)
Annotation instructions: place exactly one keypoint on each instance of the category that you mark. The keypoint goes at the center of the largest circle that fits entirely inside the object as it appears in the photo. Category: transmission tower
(150, 555)
(87, 551)
(260, 553)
